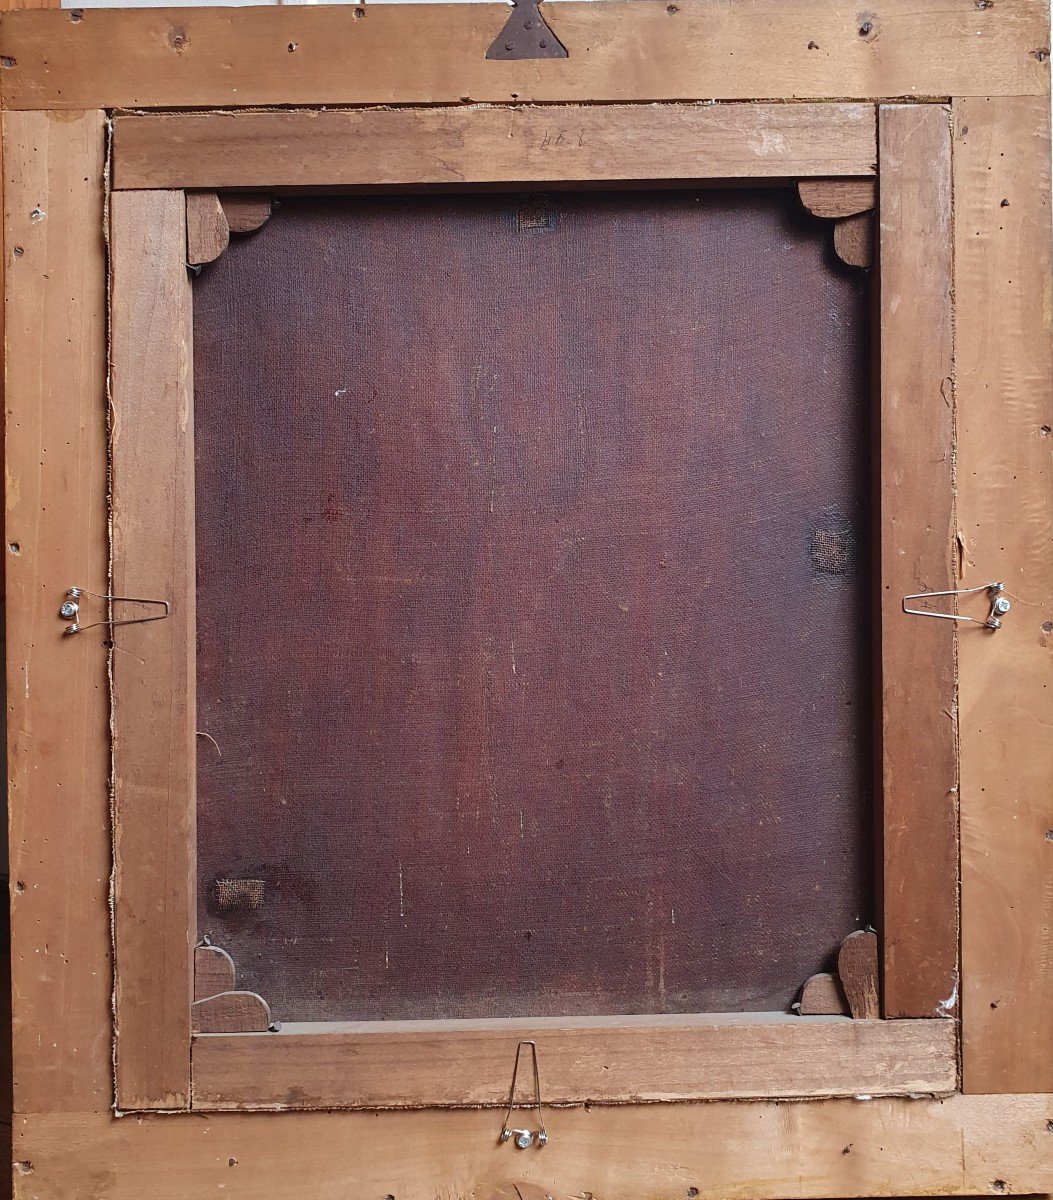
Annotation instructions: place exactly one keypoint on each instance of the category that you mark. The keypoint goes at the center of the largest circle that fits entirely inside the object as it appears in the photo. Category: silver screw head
(524, 1139)
(1002, 605)
(68, 610)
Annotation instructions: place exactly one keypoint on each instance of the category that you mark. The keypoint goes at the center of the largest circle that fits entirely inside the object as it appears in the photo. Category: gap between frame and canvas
(263, 1070)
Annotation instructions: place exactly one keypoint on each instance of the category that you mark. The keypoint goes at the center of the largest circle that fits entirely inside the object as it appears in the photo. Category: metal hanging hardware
(525, 1138)
(999, 605)
(70, 610)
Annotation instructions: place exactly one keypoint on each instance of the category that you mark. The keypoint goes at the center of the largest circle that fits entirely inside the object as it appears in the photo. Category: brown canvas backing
(533, 619)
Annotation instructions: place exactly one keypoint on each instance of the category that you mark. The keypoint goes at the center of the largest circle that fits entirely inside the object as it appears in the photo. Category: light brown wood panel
(153, 664)
(758, 1151)
(916, 666)
(424, 54)
(1005, 514)
(57, 701)
(474, 144)
(413, 1063)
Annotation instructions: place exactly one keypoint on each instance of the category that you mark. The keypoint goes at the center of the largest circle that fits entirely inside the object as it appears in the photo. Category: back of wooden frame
(152, 451)
(993, 59)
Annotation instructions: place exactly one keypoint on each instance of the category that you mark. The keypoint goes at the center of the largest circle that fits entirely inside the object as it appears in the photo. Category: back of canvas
(532, 604)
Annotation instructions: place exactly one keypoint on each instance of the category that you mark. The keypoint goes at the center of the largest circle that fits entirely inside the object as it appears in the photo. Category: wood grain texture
(58, 753)
(245, 212)
(602, 1059)
(474, 144)
(857, 970)
(837, 197)
(153, 675)
(207, 231)
(758, 1151)
(420, 54)
(230, 1012)
(919, 927)
(1005, 506)
(822, 996)
(854, 240)
(213, 972)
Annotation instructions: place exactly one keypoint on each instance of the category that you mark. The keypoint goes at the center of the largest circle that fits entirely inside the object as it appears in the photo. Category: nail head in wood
(857, 965)
(526, 35)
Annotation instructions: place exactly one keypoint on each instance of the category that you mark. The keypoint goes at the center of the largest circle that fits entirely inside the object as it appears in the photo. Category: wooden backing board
(427, 54)
(916, 668)
(460, 1063)
(56, 536)
(474, 144)
(153, 664)
(891, 1147)
(1005, 506)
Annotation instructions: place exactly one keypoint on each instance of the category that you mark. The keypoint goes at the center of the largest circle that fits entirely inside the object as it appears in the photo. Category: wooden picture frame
(393, 1063)
(958, 264)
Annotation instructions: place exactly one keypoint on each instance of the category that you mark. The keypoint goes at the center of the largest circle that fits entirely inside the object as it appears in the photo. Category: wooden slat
(880, 1147)
(822, 995)
(857, 969)
(919, 927)
(853, 240)
(213, 972)
(153, 674)
(207, 231)
(493, 145)
(230, 1012)
(58, 751)
(1005, 513)
(428, 54)
(838, 197)
(407, 1063)
(246, 212)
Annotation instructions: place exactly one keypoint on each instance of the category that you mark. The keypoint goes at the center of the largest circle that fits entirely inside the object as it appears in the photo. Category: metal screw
(524, 1139)
(1002, 606)
(68, 610)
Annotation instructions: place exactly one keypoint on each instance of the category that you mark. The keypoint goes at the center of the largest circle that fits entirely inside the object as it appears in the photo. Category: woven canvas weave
(533, 607)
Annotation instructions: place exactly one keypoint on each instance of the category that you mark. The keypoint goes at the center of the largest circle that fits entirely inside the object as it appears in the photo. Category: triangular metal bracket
(526, 35)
